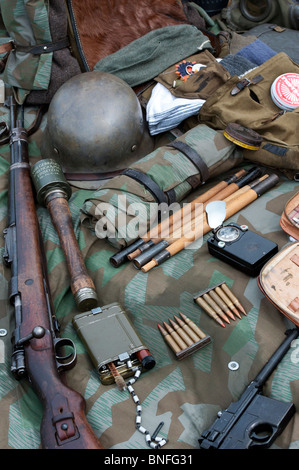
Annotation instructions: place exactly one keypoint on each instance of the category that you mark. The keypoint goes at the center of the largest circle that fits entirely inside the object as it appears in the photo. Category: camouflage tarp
(185, 394)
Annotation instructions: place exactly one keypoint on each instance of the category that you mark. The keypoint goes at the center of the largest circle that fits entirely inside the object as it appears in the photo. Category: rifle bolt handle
(37, 332)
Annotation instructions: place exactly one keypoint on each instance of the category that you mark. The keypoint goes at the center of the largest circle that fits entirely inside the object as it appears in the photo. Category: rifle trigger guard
(62, 359)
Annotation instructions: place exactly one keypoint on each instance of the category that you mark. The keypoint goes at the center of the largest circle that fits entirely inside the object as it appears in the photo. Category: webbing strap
(193, 156)
(149, 184)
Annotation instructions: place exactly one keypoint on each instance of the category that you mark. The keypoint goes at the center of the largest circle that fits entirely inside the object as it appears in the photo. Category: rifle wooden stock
(64, 424)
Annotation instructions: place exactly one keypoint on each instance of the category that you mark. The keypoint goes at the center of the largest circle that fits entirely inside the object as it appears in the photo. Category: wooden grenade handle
(82, 285)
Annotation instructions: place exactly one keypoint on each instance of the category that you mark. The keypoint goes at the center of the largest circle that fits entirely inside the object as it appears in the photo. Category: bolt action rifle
(254, 421)
(38, 351)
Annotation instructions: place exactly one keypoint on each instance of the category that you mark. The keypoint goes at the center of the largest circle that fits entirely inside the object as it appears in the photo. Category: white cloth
(164, 111)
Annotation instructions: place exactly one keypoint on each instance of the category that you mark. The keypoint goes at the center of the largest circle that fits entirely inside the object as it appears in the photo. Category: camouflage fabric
(111, 211)
(27, 23)
(185, 394)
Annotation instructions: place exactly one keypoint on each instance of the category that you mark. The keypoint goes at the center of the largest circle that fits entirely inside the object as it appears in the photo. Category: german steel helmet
(95, 127)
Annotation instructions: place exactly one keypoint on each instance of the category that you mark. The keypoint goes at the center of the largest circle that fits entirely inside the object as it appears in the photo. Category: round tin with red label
(285, 91)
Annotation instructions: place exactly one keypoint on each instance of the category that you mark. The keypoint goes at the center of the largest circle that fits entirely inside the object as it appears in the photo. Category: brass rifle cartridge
(176, 337)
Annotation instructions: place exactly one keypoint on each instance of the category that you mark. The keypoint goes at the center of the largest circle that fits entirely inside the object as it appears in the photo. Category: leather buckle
(240, 86)
(245, 82)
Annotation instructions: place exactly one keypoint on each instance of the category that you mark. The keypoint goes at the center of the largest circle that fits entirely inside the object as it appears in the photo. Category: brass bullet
(227, 300)
(192, 325)
(202, 303)
(169, 340)
(175, 336)
(187, 329)
(215, 307)
(221, 304)
(233, 298)
(181, 333)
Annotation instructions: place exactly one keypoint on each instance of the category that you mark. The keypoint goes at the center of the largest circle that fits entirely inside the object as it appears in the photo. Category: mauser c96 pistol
(254, 421)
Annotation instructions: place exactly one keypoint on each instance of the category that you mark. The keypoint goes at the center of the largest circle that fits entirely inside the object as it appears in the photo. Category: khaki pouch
(279, 281)
(252, 107)
(199, 85)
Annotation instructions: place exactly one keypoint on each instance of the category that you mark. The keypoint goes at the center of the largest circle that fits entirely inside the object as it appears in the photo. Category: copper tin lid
(243, 136)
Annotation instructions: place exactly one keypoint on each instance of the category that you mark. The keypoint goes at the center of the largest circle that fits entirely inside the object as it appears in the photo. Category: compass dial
(228, 234)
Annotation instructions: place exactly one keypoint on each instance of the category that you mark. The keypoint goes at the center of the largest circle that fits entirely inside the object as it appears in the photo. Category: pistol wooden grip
(81, 283)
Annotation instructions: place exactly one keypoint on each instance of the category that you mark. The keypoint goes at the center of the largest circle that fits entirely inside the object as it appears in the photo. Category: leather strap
(171, 195)
(43, 48)
(149, 184)
(276, 149)
(244, 83)
(193, 156)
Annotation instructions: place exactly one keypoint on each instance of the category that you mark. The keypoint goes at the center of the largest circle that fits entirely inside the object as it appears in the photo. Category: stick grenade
(53, 191)
(155, 232)
(232, 207)
(150, 251)
(161, 231)
(245, 188)
(197, 223)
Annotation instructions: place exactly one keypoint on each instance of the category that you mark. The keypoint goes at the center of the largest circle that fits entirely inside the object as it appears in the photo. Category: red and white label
(286, 89)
